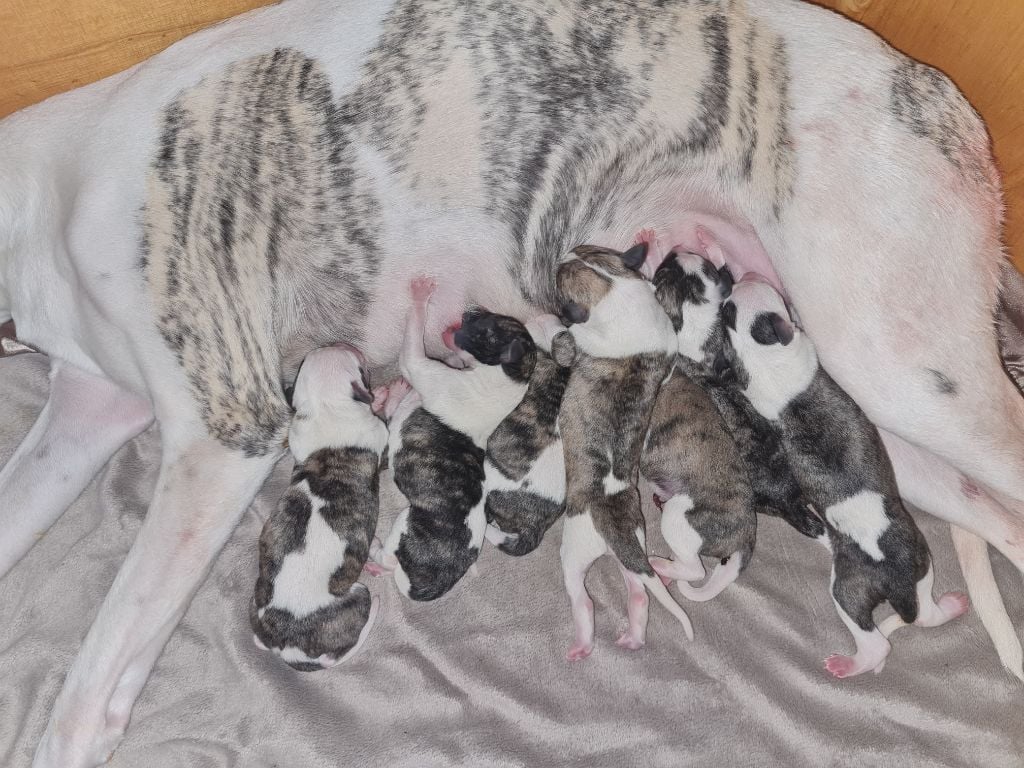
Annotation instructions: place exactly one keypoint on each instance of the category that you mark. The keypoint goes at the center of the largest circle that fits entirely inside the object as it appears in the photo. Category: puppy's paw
(579, 651)
(840, 666)
(953, 604)
(422, 288)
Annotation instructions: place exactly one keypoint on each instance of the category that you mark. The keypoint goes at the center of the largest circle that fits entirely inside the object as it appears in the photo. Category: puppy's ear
(783, 328)
(574, 313)
(634, 258)
(771, 328)
(513, 353)
(729, 315)
(725, 280)
(361, 394)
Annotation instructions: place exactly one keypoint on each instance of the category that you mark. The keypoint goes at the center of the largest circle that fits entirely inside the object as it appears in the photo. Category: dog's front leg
(201, 492)
(85, 420)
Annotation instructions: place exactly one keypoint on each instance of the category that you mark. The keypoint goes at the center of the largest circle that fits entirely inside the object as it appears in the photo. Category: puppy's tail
(621, 523)
(656, 588)
(725, 573)
(972, 552)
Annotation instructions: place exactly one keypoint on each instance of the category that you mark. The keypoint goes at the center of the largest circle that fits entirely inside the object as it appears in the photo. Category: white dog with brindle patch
(179, 236)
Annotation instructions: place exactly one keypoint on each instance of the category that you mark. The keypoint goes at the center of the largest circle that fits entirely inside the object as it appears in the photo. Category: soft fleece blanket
(479, 677)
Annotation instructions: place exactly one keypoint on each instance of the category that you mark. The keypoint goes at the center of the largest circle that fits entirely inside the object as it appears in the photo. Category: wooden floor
(51, 46)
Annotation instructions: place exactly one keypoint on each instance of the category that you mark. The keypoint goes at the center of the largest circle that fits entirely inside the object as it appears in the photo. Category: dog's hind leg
(85, 420)
(202, 491)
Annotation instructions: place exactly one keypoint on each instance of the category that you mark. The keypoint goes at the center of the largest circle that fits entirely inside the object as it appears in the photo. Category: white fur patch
(301, 586)
(680, 536)
(627, 321)
(861, 517)
(473, 401)
(612, 484)
(477, 523)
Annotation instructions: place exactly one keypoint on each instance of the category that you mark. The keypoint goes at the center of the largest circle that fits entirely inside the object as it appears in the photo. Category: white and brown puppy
(879, 554)
(625, 347)
(438, 438)
(691, 290)
(701, 487)
(525, 464)
(308, 607)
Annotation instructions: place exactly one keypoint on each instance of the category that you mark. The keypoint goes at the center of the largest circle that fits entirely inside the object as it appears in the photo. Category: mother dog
(179, 236)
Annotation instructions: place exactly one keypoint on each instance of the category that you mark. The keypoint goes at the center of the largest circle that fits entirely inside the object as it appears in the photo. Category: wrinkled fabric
(479, 677)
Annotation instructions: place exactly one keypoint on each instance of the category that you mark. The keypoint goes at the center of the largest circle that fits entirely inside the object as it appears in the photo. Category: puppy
(691, 290)
(438, 438)
(625, 346)
(525, 466)
(308, 607)
(838, 458)
(701, 487)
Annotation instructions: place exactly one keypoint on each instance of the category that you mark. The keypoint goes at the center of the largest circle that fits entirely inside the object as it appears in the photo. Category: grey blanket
(479, 678)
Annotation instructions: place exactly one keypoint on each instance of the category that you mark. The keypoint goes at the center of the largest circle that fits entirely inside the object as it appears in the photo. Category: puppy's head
(691, 290)
(493, 339)
(764, 339)
(590, 274)
(332, 402)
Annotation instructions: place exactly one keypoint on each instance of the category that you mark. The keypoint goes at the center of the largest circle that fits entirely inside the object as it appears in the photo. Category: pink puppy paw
(953, 604)
(841, 666)
(579, 651)
(372, 568)
(422, 289)
(628, 641)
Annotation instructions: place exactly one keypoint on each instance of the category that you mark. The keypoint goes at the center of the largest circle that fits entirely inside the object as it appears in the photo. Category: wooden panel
(54, 45)
(51, 46)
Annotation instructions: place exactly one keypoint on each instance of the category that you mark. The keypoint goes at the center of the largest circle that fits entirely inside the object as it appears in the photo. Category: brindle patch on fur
(258, 238)
(605, 414)
(931, 106)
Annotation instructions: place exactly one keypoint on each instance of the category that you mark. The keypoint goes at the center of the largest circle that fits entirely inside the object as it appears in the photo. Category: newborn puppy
(701, 486)
(438, 436)
(691, 290)
(838, 458)
(625, 346)
(525, 466)
(308, 607)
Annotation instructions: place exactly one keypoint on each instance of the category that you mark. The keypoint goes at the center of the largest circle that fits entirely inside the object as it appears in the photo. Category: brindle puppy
(525, 463)
(438, 436)
(308, 607)
(625, 348)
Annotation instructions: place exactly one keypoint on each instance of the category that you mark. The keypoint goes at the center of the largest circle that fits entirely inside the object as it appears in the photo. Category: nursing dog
(179, 236)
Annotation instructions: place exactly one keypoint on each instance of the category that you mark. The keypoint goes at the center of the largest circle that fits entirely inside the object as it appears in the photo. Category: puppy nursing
(308, 607)
(879, 555)
(699, 477)
(525, 465)
(705, 388)
(438, 437)
(692, 290)
(625, 346)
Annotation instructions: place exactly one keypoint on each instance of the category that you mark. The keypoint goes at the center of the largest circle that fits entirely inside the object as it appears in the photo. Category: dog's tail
(725, 573)
(972, 552)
